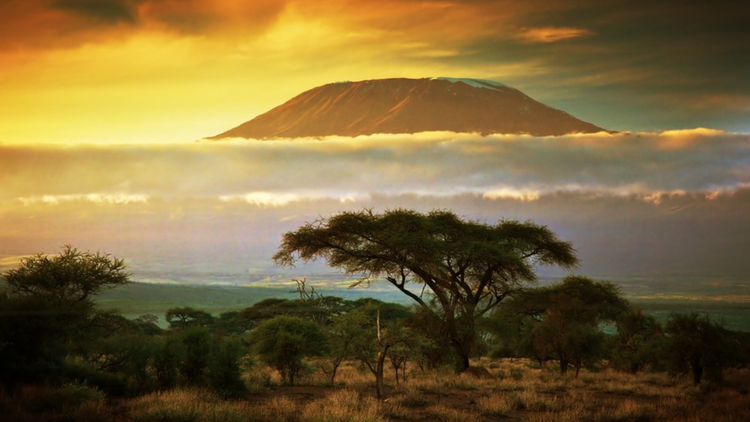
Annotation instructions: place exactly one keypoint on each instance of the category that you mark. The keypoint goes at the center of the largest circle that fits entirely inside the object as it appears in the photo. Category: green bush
(283, 341)
(225, 371)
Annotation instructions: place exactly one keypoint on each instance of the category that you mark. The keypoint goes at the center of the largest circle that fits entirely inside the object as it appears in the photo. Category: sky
(103, 102)
(180, 70)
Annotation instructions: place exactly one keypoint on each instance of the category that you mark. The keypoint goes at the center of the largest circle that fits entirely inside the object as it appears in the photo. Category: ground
(514, 391)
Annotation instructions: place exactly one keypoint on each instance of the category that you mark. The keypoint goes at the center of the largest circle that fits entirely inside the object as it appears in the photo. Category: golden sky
(178, 70)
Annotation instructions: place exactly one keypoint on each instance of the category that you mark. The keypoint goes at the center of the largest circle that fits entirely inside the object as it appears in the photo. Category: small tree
(47, 312)
(165, 361)
(188, 317)
(345, 334)
(637, 342)
(470, 267)
(696, 344)
(71, 275)
(196, 343)
(282, 342)
(224, 369)
(569, 316)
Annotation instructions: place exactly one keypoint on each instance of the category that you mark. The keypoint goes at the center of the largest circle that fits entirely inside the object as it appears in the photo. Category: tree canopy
(69, 275)
(562, 321)
(47, 311)
(469, 266)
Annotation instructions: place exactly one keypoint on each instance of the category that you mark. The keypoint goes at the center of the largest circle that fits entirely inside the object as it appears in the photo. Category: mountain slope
(403, 105)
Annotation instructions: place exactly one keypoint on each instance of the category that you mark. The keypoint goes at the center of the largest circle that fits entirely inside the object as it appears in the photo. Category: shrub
(283, 341)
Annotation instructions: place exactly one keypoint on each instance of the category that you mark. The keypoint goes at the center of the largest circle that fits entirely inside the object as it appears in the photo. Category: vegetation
(575, 350)
(469, 267)
(282, 342)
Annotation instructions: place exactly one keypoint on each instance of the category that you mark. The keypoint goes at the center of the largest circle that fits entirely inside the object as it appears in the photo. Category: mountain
(403, 105)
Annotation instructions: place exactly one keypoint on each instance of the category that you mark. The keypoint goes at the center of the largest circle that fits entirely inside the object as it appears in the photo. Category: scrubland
(509, 390)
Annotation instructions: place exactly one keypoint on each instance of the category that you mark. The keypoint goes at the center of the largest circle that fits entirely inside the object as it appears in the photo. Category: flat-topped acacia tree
(468, 266)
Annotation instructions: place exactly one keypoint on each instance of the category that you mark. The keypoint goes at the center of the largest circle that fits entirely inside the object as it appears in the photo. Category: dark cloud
(105, 10)
(642, 67)
(53, 24)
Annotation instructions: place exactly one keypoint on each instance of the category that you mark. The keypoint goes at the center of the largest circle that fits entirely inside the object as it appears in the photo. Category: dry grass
(514, 391)
(343, 406)
(441, 412)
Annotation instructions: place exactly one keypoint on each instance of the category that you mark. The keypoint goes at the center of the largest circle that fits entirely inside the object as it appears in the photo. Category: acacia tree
(697, 344)
(637, 342)
(469, 267)
(568, 315)
(71, 275)
(47, 311)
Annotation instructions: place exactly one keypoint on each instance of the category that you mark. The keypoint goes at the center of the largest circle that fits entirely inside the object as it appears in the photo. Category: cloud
(648, 166)
(631, 203)
(272, 199)
(95, 198)
(53, 24)
(105, 10)
(552, 34)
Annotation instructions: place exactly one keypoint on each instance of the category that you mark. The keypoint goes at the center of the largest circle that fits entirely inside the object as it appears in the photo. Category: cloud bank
(644, 165)
(633, 204)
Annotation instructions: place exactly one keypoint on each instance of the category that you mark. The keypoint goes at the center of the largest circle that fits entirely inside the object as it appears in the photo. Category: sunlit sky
(179, 70)
(101, 102)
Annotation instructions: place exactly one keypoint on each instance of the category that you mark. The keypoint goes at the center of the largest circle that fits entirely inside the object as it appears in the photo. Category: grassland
(510, 391)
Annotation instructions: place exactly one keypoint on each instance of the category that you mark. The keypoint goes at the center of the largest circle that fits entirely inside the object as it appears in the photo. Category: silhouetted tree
(696, 344)
(188, 317)
(569, 315)
(225, 367)
(470, 267)
(637, 342)
(195, 352)
(47, 312)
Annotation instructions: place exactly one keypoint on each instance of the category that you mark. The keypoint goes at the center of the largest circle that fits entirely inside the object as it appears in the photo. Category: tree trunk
(462, 356)
(333, 372)
(563, 366)
(697, 373)
(379, 373)
(382, 351)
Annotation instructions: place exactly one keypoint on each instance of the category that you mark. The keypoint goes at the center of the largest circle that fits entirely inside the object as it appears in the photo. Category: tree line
(471, 283)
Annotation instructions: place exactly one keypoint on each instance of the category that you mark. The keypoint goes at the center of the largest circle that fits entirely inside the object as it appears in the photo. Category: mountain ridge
(404, 106)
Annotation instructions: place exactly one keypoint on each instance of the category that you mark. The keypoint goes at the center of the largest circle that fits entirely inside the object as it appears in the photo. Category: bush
(224, 371)
(283, 341)
(698, 345)
(196, 346)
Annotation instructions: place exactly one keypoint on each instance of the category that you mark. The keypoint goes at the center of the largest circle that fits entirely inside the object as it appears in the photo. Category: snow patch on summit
(476, 83)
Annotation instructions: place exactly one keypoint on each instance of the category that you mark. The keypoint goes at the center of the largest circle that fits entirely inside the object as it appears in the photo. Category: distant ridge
(403, 105)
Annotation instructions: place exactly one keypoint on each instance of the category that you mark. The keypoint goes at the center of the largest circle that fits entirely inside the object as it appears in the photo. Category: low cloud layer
(633, 204)
(273, 173)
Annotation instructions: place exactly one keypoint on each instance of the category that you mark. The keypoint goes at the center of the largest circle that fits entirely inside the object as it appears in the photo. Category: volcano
(403, 105)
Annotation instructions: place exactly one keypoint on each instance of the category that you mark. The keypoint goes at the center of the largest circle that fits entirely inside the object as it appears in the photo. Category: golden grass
(343, 406)
(533, 394)
(201, 406)
(440, 412)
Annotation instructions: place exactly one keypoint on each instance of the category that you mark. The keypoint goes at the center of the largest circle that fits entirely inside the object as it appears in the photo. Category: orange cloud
(50, 24)
(552, 34)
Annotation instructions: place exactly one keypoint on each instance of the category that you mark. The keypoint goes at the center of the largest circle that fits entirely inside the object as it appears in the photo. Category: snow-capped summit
(476, 83)
(403, 105)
